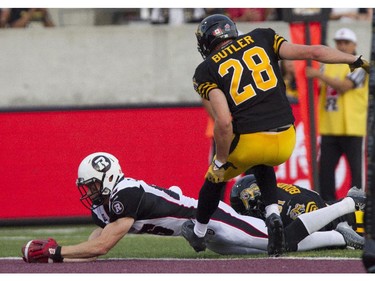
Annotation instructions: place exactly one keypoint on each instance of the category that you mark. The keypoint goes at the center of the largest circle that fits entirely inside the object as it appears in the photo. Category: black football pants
(332, 148)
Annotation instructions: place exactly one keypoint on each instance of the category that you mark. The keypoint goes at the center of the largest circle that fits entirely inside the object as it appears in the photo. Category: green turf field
(131, 246)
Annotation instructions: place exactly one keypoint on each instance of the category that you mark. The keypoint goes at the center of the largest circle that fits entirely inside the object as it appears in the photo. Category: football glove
(42, 251)
(216, 171)
(360, 63)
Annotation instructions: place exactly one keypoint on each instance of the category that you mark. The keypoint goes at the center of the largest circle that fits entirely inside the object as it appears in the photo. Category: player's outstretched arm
(48, 251)
(96, 233)
(321, 53)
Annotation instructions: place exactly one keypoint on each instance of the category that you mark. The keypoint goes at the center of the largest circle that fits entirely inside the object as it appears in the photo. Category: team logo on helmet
(218, 31)
(249, 194)
(101, 163)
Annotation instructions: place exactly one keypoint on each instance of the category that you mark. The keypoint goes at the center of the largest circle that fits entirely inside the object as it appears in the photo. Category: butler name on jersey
(248, 73)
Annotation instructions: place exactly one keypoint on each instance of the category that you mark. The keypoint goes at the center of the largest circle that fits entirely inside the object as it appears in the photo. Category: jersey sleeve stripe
(205, 88)
(277, 43)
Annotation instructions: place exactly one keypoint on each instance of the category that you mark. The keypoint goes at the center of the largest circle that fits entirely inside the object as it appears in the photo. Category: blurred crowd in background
(28, 17)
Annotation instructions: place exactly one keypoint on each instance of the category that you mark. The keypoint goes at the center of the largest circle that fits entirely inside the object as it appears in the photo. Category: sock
(208, 201)
(200, 229)
(321, 239)
(316, 220)
(273, 208)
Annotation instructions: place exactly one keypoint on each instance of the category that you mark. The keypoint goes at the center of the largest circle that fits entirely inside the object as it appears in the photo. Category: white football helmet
(98, 173)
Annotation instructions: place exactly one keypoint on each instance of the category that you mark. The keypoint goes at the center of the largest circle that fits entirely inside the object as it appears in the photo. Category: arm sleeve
(358, 77)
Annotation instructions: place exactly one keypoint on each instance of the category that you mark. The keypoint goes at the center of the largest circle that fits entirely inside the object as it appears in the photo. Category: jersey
(294, 201)
(344, 114)
(155, 210)
(248, 73)
(161, 211)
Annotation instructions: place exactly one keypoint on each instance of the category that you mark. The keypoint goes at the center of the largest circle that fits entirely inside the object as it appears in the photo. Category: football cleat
(352, 239)
(276, 237)
(359, 197)
(198, 243)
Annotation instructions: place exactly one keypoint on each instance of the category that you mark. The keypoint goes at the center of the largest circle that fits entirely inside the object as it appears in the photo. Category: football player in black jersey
(120, 205)
(293, 200)
(241, 81)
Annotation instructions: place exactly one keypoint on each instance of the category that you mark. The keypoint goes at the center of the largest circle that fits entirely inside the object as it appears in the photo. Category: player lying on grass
(293, 200)
(122, 205)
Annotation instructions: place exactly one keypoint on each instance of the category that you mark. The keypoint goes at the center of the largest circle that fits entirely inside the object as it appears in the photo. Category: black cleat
(276, 237)
(198, 243)
(368, 256)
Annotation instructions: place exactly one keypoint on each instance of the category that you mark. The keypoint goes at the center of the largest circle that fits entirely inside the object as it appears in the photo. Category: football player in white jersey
(122, 205)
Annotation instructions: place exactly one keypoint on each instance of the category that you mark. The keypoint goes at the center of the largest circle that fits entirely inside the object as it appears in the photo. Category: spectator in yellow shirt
(343, 102)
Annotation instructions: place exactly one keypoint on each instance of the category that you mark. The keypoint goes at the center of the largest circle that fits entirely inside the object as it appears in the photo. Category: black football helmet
(212, 30)
(246, 198)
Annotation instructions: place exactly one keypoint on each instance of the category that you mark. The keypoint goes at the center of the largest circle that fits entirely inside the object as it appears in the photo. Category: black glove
(360, 63)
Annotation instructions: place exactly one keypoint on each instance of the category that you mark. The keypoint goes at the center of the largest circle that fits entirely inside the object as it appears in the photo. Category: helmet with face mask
(246, 198)
(98, 174)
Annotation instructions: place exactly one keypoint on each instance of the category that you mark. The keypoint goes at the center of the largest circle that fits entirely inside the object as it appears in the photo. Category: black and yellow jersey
(247, 71)
(294, 201)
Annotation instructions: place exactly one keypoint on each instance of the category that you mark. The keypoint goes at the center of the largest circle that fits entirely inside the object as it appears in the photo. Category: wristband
(57, 257)
(218, 163)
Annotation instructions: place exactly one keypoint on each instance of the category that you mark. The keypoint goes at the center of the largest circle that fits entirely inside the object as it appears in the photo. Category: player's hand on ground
(42, 251)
